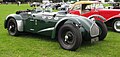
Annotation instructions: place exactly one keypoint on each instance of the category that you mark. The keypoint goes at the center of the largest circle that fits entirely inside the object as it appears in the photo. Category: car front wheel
(69, 37)
(12, 27)
(103, 29)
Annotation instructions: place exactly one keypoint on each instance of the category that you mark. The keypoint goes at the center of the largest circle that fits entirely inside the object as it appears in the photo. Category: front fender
(99, 16)
(116, 16)
(80, 21)
(15, 16)
(18, 19)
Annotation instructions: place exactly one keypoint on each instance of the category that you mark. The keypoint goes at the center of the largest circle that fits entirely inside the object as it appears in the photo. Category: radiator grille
(94, 30)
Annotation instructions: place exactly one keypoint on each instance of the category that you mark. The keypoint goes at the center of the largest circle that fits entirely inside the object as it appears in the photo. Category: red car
(96, 11)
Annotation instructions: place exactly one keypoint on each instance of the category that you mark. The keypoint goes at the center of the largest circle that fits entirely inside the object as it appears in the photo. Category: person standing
(18, 3)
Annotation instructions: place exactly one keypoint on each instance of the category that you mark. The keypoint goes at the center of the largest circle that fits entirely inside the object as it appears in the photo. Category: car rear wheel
(69, 37)
(103, 29)
(12, 27)
(116, 25)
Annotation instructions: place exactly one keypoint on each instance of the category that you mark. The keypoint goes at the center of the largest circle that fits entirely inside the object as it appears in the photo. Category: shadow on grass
(110, 29)
(36, 36)
(48, 38)
(87, 45)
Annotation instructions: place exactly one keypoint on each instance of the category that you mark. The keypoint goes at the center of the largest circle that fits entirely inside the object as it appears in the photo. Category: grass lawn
(28, 45)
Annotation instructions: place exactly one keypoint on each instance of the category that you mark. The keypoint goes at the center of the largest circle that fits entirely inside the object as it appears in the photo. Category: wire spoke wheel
(12, 27)
(117, 25)
(69, 37)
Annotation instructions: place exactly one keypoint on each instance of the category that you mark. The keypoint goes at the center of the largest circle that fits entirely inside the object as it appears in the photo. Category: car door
(29, 23)
(43, 22)
(108, 13)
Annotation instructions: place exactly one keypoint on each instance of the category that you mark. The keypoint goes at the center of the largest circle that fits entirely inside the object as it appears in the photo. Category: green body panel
(28, 25)
(36, 25)
(46, 24)
(82, 21)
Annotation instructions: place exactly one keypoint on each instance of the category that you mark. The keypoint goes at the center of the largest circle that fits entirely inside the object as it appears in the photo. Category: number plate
(94, 40)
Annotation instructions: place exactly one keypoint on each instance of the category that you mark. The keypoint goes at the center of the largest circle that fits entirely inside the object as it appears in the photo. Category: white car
(34, 4)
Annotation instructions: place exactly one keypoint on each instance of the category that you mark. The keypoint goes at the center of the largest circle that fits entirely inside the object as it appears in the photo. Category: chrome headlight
(94, 30)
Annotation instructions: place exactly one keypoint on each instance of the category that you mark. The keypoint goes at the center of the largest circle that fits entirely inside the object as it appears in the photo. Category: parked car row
(93, 9)
(55, 6)
(112, 5)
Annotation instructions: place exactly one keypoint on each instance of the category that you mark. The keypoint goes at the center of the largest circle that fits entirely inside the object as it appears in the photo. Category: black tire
(69, 37)
(116, 27)
(12, 27)
(103, 29)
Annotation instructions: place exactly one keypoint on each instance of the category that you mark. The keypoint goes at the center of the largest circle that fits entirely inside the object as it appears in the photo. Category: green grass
(28, 45)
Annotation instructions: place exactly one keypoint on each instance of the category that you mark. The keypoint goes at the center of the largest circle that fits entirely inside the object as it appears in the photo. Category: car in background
(35, 4)
(95, 10)
(64, 6)
(69, 29)
(112, 5)
(56, 6)
(46, 1)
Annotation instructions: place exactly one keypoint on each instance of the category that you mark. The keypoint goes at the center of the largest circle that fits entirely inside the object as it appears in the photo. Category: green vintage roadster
(70, 30)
